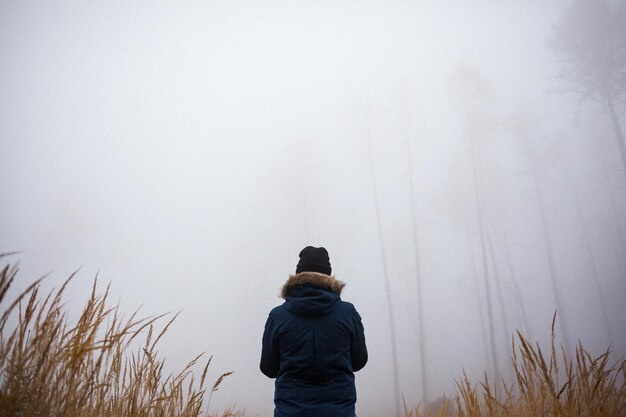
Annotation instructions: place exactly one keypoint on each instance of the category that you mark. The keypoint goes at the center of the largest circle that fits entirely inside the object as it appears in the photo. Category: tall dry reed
(547, 385)
(92, 367)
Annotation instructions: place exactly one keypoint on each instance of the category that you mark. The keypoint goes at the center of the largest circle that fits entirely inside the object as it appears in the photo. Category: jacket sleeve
(270, 351)
(358, 350)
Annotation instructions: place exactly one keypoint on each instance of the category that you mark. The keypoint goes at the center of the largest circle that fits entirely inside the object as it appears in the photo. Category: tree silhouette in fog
(590, 42)
(472, 94)
(365, 113)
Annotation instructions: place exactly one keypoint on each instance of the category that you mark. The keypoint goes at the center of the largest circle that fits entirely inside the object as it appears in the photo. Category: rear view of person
(313, 343)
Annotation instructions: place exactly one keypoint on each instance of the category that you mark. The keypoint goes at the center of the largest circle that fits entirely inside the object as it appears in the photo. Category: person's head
(314, 260)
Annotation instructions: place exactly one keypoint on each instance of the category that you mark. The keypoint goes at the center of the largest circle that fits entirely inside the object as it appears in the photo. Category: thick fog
(186, 151)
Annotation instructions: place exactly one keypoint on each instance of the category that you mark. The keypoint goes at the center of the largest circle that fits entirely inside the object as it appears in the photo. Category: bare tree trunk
(481, 232)
(592, 261)
(483, 330)
(518, 293)
(562, 316)
(392, 326)
(418, 276)
(616, 126)
(420, 299)
(496, 278)
(618, 224)
(472, 90)
(551, 263)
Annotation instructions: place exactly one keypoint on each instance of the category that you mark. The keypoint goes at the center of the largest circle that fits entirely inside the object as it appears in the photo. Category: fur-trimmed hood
(315, 279)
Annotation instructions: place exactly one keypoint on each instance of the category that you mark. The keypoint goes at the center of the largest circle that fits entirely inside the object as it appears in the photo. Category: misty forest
(162, 164)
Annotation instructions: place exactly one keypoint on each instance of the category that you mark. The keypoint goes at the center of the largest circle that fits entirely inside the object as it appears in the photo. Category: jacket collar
(316, 279)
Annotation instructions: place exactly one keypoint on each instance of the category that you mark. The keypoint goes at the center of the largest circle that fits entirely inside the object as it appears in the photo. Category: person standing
(313, 343)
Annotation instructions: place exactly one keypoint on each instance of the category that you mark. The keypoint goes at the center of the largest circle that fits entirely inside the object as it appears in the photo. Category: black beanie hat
(314, 260)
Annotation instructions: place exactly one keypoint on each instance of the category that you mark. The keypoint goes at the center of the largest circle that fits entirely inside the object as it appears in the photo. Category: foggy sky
(186, 152)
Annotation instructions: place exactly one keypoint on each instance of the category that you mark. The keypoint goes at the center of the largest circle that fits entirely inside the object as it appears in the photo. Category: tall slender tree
(621, 250)
(590, 43)
(416, 248)
(519, 125)
(383, 253)
(479, 298)
(592, 261)
(503, 244)
(504, 325)
(473, 91)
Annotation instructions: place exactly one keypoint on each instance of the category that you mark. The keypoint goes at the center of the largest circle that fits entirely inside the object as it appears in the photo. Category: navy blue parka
(312, 344)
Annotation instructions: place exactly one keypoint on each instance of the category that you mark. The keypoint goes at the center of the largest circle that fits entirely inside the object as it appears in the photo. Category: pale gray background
(186, 151)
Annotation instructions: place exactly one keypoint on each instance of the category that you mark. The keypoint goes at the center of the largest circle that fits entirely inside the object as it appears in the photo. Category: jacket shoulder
(277, 311)
(348, 308)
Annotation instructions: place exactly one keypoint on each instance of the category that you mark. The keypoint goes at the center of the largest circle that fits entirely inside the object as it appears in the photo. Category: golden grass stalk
(552, 385)
(51, 367)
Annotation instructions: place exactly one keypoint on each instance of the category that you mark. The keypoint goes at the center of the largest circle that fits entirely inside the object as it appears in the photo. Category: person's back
(313, 343)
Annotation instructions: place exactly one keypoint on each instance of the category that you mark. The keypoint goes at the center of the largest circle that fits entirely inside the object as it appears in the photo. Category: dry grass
(554, 385)
(95, 367)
